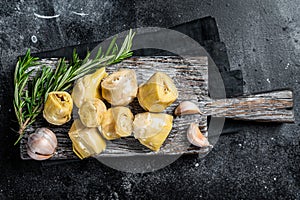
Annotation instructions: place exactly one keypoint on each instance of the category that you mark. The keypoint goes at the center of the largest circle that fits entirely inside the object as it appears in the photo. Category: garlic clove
(195, 136)
(36, 156)
(187, 108)
(41, 145)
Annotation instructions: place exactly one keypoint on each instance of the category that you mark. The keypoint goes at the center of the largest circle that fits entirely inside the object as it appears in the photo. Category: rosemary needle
(30, 95)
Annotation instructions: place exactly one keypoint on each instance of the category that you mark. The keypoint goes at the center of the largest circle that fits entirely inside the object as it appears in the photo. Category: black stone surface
(261, 161)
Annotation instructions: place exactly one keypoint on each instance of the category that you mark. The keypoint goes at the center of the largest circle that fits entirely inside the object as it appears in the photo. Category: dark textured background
(259, 161)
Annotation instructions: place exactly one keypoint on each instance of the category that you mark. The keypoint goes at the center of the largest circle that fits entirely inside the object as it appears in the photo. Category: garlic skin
(187, 108)
(120, 88)
(58, 108)
(91, 112)
(195, 136)
(41, 144)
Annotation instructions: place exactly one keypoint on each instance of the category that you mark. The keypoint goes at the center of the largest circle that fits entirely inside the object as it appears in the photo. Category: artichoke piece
(91, 112)
(124, 120)
(152, 129)
(116, 123)
(107, 127)
(88, 87)
(120, 88)
(86, 141)
(157, 93)
(58, 108)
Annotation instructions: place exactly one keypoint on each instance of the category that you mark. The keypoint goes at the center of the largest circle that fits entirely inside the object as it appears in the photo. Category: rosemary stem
(21, 130)
(30, 94)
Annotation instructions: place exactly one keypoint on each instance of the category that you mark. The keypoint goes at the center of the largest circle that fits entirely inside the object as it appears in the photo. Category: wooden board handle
(267, 107)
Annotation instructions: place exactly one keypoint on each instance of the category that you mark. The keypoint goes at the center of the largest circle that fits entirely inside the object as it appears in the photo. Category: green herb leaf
(30, 95)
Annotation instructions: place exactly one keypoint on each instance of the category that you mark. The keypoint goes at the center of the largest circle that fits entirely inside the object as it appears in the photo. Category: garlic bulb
(88, 87)
(187, 108)
(86, 141)
(195, 136)
(152, 129)
(58, 108)
(41, 144)
(157, 93)
(120, 88)
(91, 112)
(116, 123)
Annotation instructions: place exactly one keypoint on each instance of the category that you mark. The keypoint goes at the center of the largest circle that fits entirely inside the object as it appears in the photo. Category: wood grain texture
(191, 79)
(267, 107)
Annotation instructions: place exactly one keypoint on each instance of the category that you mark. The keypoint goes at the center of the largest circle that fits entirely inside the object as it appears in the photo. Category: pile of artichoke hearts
(97, 123)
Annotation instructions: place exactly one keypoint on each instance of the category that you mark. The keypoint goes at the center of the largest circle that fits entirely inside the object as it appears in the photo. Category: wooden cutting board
(191, 79)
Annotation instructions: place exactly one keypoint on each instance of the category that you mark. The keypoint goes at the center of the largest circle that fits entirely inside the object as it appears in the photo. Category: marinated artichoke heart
(116, 123)
(88, 87)
(58, 108)
(157, 93)
(86, 141)
(152, 129)
(120, 88)
(91, 112)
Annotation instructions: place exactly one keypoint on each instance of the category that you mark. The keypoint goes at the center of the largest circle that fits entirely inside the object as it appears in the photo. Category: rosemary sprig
(30, 95)
(64, 75)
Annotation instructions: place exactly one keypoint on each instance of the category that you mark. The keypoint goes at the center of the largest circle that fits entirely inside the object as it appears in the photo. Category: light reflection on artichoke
(58, 108)
(157, 93)
(86, 141)
(116, 123)
(88, 87)
(91, 112)
(152, 129)
(120, 88)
